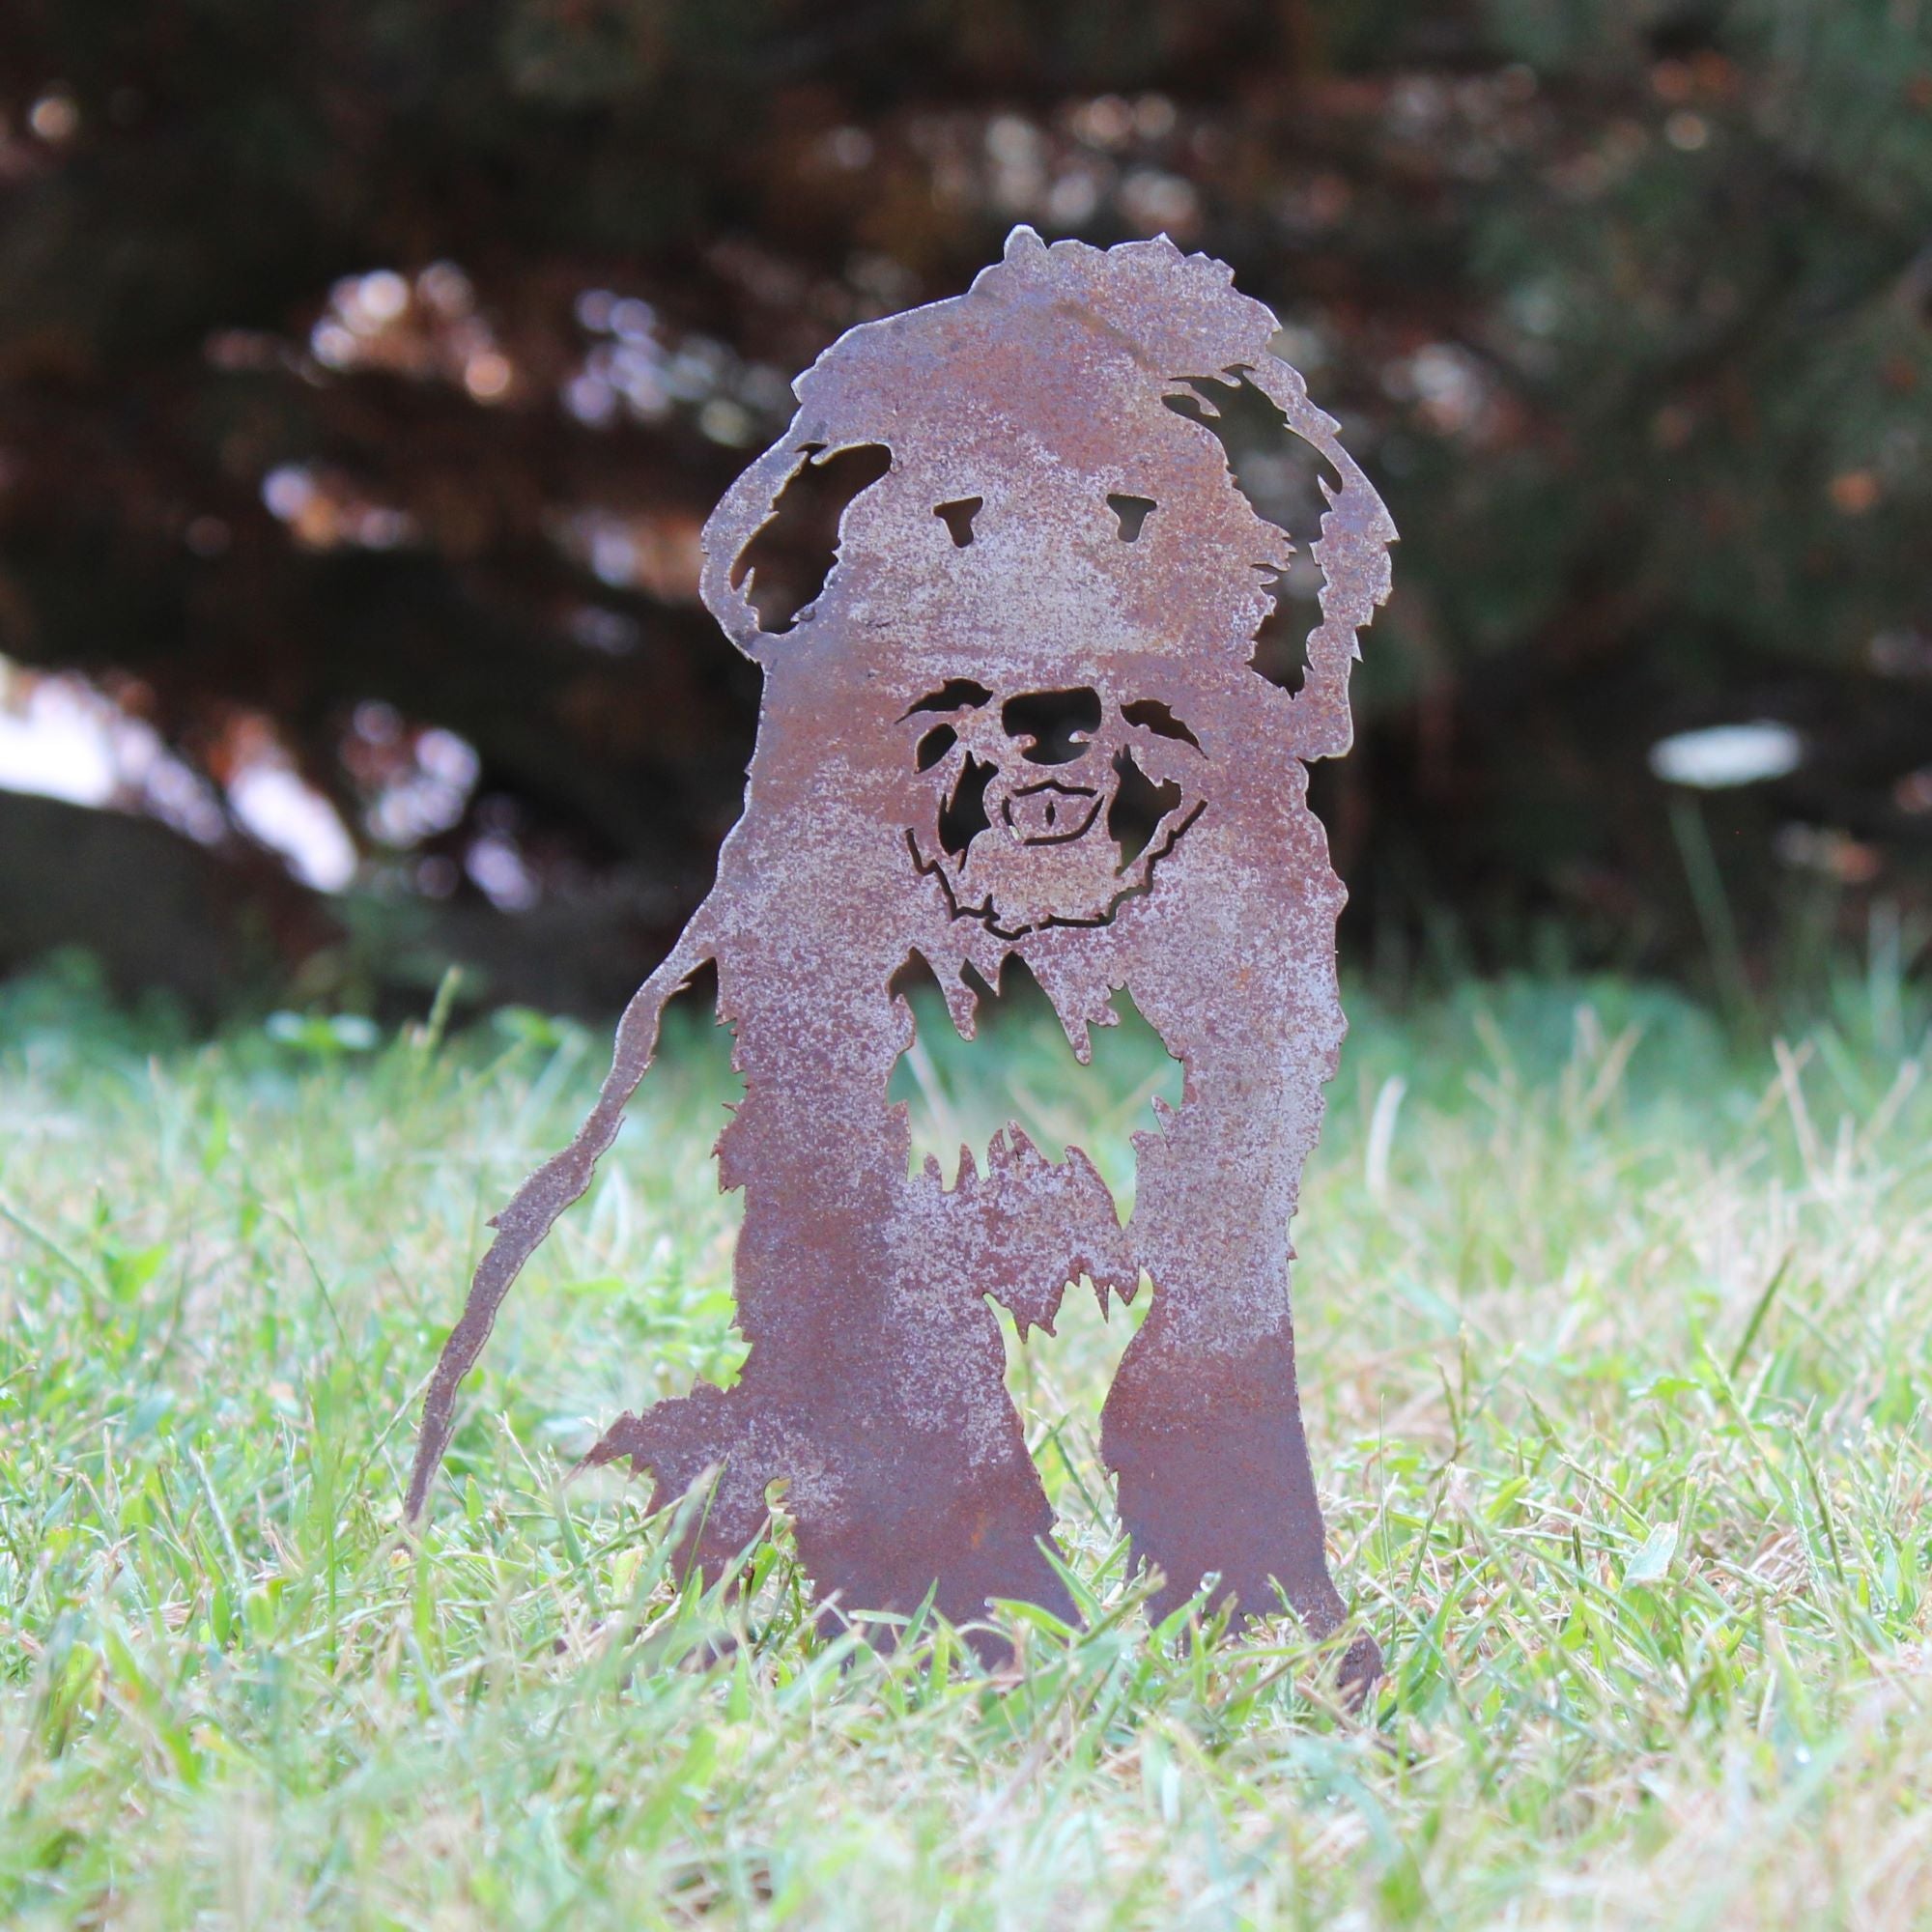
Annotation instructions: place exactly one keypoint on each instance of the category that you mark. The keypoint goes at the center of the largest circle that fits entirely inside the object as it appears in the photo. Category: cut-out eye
(956, 693)
(1132, 512)
(957, 517)
(1152, 715)
(1057, 723)
(934, 746)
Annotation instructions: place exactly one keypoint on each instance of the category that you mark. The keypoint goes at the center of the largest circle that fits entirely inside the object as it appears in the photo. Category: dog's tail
(521, 1226)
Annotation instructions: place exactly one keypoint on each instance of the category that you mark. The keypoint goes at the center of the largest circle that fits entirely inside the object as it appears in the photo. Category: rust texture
(1019, 719)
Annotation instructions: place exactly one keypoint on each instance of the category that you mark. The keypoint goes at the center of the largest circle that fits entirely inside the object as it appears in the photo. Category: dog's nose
(1052, 727)
(1053, 751)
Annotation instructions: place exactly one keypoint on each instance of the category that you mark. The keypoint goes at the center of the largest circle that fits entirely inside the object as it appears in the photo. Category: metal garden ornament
(1019, 721)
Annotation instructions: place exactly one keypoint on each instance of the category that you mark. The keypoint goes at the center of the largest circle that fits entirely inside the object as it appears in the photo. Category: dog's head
(1045, 579)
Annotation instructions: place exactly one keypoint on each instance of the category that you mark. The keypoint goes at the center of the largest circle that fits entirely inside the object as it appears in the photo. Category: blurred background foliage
(367, 370)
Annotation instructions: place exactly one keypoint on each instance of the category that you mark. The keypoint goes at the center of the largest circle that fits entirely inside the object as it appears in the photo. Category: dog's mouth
(1050, 813)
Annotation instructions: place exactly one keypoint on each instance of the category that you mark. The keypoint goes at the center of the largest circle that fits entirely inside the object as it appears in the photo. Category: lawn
(1613, 1333)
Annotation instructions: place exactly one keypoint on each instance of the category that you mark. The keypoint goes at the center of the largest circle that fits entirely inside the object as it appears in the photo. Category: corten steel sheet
(1042, 614)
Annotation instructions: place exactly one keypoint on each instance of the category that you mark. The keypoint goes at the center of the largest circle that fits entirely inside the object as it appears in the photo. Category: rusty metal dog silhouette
(1019, 720)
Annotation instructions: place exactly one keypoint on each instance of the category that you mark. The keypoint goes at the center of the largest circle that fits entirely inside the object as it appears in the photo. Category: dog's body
(1019, 720)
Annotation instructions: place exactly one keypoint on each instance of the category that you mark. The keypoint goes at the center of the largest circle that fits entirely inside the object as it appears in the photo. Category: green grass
(1615, 1349)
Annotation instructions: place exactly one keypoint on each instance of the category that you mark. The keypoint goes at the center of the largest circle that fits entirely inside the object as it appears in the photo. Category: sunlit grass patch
(1614, 1359)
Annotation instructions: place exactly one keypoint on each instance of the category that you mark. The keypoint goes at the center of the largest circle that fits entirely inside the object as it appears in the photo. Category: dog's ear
(741, 513)
(1353, 553)
(1256, 410)
(772, 543)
